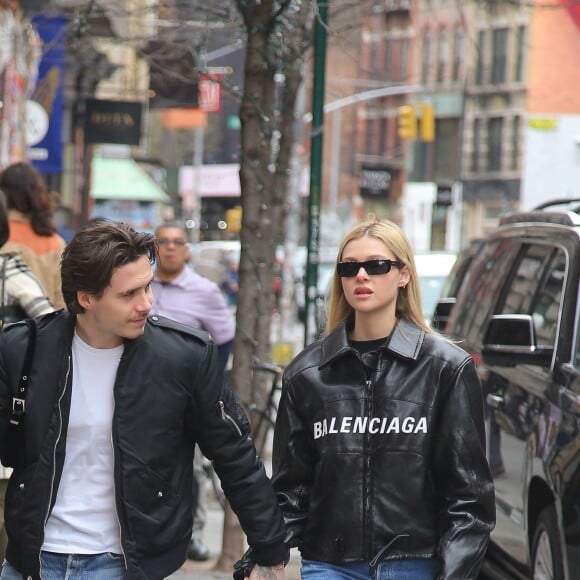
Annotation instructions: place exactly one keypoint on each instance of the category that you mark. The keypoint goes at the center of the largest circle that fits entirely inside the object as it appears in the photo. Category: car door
(562, 453)
(521, 398)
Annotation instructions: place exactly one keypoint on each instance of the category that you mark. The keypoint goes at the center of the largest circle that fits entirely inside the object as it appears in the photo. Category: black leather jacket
(169, 395)
(383, 456)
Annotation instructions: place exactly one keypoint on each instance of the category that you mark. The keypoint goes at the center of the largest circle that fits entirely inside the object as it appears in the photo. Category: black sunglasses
(372, 267)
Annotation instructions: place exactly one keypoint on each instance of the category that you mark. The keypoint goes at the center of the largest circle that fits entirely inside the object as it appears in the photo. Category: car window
(523, 285)
(456, 278)
(481, 287)
(546, 307)
(536, 289)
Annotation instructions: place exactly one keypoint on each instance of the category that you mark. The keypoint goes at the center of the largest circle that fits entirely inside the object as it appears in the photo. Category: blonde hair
(409, 299)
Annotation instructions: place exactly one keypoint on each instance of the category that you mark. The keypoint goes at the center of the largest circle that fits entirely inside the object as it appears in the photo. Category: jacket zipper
(66, 379)
(368, 388)
(114, 483)
(229, 418)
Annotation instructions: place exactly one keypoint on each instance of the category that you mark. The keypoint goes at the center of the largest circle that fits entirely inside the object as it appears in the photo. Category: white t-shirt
(84, 518)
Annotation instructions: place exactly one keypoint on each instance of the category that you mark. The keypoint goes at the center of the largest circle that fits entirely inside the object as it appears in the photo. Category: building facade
(504, 90)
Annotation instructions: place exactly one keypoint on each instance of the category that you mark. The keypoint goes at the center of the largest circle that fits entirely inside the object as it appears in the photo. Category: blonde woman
(379, 450)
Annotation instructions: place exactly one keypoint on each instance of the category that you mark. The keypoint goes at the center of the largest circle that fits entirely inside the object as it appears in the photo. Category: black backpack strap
(3, 289)
(19, 398)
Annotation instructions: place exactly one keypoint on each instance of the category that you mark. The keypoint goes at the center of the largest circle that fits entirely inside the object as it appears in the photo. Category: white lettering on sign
(210, 96)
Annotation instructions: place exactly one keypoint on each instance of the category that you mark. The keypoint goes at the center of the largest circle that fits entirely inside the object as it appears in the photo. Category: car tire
(547, 558)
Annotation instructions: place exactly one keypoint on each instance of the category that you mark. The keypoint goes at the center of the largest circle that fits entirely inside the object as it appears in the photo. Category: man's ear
(85, 299)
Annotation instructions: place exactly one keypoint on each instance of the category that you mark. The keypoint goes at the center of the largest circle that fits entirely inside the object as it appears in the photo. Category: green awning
(123, 179)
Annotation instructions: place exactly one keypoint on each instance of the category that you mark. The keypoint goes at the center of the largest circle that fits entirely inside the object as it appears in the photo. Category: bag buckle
(18, 409)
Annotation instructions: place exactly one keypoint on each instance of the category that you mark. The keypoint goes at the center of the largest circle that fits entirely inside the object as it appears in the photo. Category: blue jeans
(54, 566)
(404, 569)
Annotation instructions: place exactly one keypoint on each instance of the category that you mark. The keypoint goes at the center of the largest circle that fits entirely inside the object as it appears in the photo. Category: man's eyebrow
(129, 290)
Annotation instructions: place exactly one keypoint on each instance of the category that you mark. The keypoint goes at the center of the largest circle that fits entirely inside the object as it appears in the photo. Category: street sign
(210, 94)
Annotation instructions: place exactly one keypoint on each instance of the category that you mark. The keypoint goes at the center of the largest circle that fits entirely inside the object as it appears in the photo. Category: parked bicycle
(262, 417)
(265, 413)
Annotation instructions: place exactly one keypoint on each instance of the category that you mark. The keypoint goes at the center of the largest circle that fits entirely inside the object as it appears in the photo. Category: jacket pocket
(156, 513)
(231, 412)
(20, 497)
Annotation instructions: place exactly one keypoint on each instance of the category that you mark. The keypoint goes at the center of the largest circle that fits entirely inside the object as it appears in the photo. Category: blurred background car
(453, 284)
(209, 258)
(433, 269)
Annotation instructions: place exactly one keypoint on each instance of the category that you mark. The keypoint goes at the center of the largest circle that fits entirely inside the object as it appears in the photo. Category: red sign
(210, 94)
(573, 9)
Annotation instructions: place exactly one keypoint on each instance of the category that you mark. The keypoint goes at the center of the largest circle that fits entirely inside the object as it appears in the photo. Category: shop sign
(375, 181)
(112, 122)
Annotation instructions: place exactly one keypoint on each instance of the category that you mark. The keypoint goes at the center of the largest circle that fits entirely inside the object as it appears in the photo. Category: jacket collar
(405, 342)
(69, 321)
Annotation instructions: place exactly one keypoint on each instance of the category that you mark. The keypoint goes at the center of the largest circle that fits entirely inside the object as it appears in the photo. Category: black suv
(516, 309)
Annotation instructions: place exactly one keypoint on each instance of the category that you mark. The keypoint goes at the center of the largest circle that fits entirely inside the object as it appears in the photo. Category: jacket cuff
(271, 554)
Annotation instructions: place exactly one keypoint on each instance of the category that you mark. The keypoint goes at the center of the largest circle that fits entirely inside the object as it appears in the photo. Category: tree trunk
(257, 256)
(264, 179)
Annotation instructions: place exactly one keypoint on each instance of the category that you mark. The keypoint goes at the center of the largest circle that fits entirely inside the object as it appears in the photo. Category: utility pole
(320, 27)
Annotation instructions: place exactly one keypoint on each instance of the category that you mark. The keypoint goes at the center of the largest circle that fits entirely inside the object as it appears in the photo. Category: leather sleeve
(224, 437)
(462, 477)
(292, 462)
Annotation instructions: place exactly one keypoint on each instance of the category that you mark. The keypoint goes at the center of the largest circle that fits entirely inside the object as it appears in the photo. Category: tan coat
(41, 253)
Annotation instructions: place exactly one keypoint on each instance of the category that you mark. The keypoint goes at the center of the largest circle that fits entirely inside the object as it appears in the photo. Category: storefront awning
(123, 179)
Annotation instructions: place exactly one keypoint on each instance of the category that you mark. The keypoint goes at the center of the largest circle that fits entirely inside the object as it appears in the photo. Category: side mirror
(510, 339)
(442, 312)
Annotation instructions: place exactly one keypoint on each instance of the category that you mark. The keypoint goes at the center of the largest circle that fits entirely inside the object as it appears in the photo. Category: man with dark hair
(114, 405)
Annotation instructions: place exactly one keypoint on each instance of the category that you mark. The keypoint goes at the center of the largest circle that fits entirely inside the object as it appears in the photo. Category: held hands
(267, 572)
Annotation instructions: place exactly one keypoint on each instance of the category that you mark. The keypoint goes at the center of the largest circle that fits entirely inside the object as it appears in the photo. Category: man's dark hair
(96, 250)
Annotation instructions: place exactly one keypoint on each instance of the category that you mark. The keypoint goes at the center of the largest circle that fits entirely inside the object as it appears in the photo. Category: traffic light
(427, 124)
(406, 122)
(234, 219)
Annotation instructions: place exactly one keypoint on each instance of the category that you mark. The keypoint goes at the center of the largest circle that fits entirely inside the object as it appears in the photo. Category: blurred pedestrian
(32, 231)
(277, 284)
(117, 401)
(183, 295)
(379, 448)
(231, 281)
(21, 296)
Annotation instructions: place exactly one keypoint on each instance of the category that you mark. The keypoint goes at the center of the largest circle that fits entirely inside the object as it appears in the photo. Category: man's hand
(268, 572)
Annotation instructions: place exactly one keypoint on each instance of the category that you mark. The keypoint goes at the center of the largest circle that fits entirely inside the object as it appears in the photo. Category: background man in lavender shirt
(184, 296)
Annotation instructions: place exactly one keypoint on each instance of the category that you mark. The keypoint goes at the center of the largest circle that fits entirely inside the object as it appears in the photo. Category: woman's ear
(404, 277)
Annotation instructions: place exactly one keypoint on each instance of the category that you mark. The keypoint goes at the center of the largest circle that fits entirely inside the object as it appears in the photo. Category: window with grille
(494, 143)
(499, 55)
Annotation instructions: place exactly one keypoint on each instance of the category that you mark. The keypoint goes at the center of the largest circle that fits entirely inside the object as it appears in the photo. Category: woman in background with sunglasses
(379, 449)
